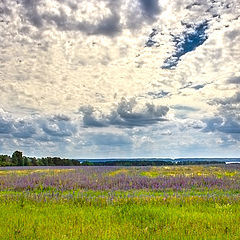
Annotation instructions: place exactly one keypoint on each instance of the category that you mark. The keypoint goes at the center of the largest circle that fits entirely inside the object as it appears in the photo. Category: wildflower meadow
(86, 202)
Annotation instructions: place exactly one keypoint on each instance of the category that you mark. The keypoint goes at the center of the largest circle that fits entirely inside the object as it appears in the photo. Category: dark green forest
(17, 159)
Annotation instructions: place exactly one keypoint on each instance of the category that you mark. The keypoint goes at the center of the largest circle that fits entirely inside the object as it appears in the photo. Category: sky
(120, 78)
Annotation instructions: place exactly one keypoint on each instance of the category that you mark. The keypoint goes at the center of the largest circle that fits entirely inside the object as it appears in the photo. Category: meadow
(166, 202)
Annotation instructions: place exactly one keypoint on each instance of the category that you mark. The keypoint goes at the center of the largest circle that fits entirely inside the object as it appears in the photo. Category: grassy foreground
(194, 219)
(196, 212)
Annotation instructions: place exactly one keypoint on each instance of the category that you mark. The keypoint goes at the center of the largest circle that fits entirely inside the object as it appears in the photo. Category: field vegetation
(86, 202)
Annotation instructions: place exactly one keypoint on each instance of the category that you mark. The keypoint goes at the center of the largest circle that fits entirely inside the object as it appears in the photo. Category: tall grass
(200, 219)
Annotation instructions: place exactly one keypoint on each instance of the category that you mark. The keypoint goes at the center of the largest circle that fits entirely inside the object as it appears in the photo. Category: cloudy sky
(120, 78)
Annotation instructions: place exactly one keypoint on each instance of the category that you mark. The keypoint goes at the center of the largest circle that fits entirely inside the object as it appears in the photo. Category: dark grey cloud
(31, 12)
(89, 119)
(61, 21)
(16, 128)
(35, 13)
(185, 108)
(212, 124)
(150, 8)
(61, 117)
(151, 40)
(145, 11)
(109, 26)
(151, 43)
(58, 126)
(193, 5)
(23, 129)
(53, 129)
(228, 120)
(5, 126)
(199, 86)
(124, 115)
(191, 85)
(234, 80)
(4, 10)
(187, 85)
(159, 94)
(235, 99)
(228, 125)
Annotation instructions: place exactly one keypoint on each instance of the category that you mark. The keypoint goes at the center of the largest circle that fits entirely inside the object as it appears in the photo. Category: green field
(182, 202)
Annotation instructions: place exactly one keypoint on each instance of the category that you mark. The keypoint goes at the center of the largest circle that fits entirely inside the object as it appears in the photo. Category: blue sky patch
(186, 42)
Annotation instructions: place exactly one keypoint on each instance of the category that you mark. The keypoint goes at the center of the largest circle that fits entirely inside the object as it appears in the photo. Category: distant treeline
(17, 159)
(148, 163)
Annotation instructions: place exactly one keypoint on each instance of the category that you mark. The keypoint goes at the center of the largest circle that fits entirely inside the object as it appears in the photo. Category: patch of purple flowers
(98, 178)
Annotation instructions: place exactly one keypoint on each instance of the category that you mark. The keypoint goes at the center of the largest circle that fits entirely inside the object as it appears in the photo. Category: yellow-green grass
(194, 170)
(195, 218)
(31, 171)
(191, 170)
